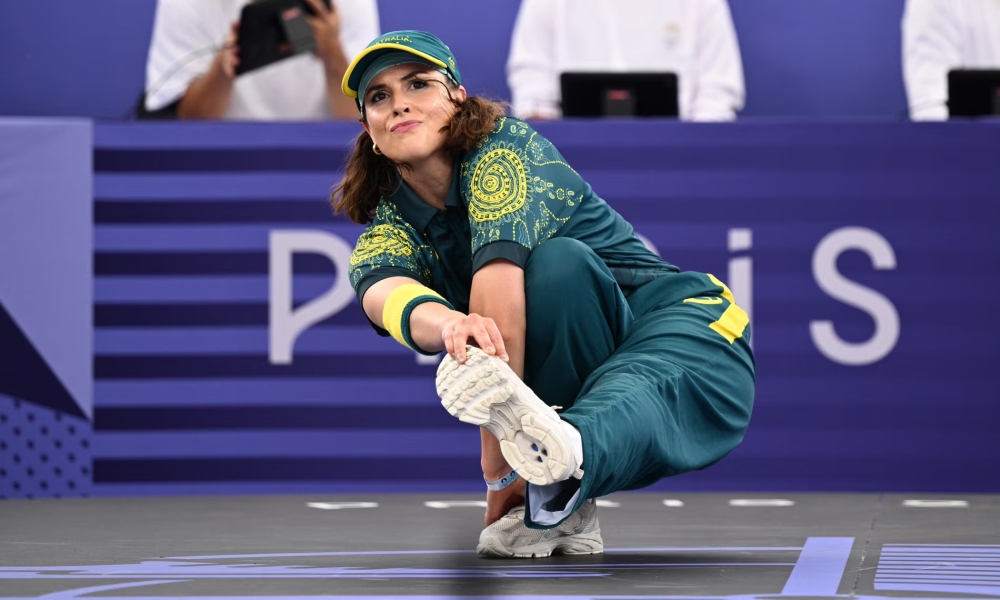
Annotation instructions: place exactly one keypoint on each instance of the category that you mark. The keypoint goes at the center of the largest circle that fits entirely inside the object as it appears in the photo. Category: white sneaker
(510, 538)
(533, 439)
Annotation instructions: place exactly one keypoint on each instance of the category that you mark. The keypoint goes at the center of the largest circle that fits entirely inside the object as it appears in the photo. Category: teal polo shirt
(511, 193)
(449, 233)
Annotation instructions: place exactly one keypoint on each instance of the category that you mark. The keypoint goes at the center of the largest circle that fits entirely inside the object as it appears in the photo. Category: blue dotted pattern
(43, 453)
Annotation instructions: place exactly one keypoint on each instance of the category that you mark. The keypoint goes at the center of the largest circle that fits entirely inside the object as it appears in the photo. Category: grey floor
(280, 547)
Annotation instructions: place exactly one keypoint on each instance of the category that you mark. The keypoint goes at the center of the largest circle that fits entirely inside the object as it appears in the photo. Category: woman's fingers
(494, 332)
(481, 331)
(459, 339)
(482, 337)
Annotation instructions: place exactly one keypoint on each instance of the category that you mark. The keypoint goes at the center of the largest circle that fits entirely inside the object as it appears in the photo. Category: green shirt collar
(417, 212)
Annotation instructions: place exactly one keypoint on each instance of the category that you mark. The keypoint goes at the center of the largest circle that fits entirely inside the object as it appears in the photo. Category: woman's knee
(559, 264)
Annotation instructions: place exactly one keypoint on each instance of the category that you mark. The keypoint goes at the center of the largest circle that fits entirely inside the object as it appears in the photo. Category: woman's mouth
(404, 126)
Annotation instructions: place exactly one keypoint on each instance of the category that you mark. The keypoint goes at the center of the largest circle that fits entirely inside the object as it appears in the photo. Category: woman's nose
(399, 104)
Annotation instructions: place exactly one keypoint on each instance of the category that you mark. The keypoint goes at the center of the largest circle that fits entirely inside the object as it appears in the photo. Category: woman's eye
(377, 97)
(417, 84)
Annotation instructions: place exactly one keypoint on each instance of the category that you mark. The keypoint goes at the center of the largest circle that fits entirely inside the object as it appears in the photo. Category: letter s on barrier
(824, 266)
(287, 324)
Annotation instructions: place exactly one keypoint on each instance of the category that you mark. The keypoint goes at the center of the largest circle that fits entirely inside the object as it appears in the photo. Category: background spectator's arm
(340, 35)
(181, 51)
(932, 46)
(531, 67)
(720, 91)
(208, 96)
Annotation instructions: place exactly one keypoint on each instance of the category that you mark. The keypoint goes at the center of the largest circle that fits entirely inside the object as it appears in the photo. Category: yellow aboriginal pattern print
(518, 187)
(382, 239)
(499, 185)
(390, 242)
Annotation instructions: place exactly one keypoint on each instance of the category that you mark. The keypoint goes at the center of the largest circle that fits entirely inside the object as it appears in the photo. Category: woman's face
(406, 107)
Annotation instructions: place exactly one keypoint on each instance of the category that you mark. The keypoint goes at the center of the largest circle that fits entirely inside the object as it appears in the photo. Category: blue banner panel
(865, 253)
(46, 315)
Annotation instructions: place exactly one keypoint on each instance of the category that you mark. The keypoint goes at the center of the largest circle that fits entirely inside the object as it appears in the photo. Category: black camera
(273, 30)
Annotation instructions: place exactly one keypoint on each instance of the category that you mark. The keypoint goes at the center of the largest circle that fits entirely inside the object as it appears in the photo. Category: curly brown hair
(368, 177)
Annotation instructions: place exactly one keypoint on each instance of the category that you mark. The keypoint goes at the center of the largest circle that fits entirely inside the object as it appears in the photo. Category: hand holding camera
(273, 30)
(324, 22)
(228, 59)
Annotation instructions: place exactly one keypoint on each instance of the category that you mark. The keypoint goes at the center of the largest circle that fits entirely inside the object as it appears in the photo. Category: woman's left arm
(498, 293)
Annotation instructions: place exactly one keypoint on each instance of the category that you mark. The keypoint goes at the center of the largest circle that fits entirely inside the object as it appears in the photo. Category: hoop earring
(375, 149)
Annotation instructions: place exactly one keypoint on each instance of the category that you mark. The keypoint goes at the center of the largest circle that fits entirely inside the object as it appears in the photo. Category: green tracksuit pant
(658, 382)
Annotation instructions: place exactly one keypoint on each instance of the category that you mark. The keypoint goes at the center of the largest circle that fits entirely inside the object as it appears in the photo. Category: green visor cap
(418, 43)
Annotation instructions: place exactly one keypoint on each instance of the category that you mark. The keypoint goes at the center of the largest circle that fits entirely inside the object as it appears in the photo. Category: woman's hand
(480, 331)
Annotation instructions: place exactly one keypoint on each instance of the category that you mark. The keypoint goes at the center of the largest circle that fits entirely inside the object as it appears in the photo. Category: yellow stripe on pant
(734, 319)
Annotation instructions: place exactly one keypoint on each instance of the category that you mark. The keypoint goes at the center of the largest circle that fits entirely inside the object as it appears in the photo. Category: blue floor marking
(820, 567)
(817, 572)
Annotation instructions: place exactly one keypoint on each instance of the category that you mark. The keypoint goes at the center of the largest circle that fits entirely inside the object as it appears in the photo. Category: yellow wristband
(399, 305)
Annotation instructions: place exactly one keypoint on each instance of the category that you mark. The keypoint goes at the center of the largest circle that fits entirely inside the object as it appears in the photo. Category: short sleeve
(532, 72)
(932, 46)
(182, 48)
(385, 250)
(720, 91)
(519, 189)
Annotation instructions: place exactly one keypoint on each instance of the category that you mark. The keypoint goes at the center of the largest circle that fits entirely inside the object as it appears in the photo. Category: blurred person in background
(182, 78)
(693, 38)
(941, 35)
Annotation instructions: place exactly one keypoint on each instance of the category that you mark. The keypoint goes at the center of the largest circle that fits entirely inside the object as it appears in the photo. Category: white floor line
(936, 503)
(455, 504)
(758, 502)
(673, 503)
(608, 503)
(340, 505)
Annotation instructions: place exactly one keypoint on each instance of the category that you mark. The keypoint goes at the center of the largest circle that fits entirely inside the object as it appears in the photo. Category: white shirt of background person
(292, 89)
(695, 39)
(941, 35)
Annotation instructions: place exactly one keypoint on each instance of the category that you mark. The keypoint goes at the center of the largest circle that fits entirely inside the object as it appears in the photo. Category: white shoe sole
(486, 392)
(583, 543)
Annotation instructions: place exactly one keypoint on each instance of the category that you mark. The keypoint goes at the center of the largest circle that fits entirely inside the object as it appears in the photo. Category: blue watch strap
(499, 484)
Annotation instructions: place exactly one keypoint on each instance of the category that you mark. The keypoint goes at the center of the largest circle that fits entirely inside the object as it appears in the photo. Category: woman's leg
(657, 384)
(576, 317)
(675, 396)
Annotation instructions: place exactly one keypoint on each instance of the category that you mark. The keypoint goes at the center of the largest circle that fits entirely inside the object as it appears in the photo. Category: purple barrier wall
(866, 252)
